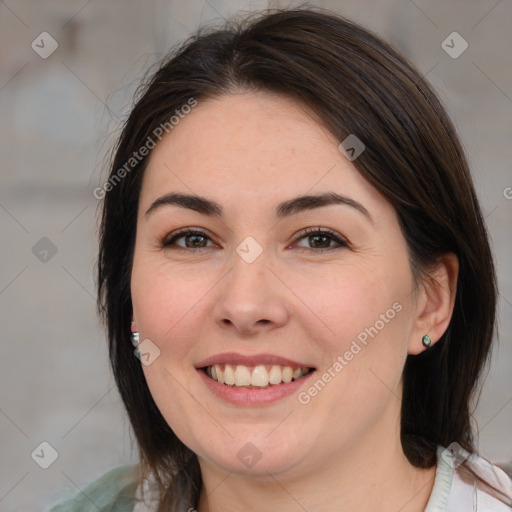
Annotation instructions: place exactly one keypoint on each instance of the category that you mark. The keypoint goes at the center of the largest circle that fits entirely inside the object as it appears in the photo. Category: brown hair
(358, 84)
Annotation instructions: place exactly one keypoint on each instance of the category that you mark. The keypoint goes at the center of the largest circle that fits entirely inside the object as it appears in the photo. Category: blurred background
(68, 74)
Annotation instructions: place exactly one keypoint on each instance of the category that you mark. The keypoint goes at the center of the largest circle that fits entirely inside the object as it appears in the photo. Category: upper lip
(250, 360)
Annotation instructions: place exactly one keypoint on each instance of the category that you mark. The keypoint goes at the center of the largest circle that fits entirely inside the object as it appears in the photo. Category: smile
(260, 376)
(253, 379)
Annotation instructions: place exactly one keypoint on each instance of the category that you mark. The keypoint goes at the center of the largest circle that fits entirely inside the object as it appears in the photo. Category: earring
(426, 340)
(135, 336)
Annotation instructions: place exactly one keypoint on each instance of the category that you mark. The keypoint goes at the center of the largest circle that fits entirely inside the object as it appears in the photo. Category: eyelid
(170, 239)
(307, 232)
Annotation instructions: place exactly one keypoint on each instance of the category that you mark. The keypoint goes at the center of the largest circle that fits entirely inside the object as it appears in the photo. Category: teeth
(261, 376)
(229, 375)
(242, 376)
(287, 374)
(275, 375)
(220, 374)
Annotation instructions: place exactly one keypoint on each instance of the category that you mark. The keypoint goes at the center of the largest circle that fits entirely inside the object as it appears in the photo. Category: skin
(341, 451)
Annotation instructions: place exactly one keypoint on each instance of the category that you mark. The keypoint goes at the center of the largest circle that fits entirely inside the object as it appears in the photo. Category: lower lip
(254, 396)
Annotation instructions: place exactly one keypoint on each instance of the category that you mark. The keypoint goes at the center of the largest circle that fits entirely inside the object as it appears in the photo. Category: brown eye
(188, 239)
(321, 240)
(317, 239)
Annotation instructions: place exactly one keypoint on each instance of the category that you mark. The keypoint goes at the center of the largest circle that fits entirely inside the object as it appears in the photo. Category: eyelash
(171, 239)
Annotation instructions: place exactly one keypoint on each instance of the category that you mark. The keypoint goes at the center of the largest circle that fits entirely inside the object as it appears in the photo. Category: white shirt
(472, 484)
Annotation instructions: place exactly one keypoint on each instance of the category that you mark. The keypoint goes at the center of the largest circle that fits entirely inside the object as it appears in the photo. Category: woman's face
(268, 286)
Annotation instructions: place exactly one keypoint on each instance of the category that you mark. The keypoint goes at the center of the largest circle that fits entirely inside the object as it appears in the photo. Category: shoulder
(114, 491)
(468, 481)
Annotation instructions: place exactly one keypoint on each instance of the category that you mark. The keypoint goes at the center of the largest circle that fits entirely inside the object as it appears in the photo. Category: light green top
(112, 492)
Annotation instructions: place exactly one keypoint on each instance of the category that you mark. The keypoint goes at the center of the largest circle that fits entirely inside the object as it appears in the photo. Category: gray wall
(59, 116)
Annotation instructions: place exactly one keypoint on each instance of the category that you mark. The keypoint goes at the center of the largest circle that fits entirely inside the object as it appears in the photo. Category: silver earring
(135, 338)
(426, 340)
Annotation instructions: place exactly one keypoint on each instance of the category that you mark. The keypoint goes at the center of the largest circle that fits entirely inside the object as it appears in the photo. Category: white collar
(468, 482)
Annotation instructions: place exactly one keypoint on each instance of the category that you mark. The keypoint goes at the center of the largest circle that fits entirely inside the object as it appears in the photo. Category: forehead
(250, 147)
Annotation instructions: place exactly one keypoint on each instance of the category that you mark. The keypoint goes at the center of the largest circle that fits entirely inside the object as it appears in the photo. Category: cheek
(166, 303)
(365, 349)
(350, 302)
(168, 308)
(363, 313)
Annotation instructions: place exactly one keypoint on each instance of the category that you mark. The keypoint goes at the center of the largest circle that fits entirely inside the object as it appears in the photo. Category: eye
(319, 240)
(191, 239)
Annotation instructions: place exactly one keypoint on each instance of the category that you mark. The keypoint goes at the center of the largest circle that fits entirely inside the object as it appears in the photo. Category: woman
(292, 241)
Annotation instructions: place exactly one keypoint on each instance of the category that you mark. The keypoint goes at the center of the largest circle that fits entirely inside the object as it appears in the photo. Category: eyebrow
(290, 207)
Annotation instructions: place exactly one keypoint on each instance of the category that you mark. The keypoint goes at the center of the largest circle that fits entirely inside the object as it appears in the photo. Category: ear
(436, 298)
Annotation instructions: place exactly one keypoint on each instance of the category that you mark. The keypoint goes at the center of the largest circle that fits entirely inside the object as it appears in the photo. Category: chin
(256, 455)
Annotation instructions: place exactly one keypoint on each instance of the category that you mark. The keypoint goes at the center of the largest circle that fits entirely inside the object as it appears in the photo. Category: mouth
(254, 377)
(249, 380)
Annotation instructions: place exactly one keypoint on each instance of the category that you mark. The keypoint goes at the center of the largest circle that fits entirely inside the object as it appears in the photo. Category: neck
(373, 475)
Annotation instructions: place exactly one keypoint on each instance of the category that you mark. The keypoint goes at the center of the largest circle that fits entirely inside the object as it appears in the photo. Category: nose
(251, 299)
